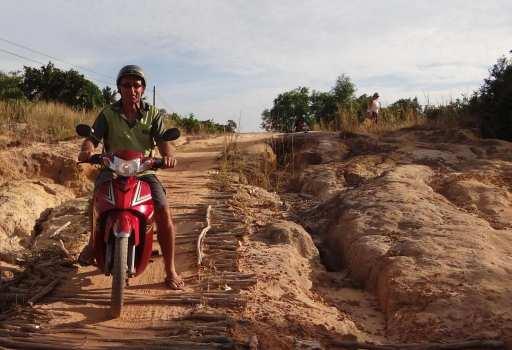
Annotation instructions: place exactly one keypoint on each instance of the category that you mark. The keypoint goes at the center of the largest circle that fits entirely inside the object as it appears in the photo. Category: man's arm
(167, 153)
(88, 146)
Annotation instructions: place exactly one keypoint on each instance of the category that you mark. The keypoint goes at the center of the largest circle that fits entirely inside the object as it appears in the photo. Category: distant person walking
(373, 107)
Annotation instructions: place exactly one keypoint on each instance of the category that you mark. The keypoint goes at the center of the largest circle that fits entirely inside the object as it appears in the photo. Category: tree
(49, 83)
(288, 107)
(231, 126)
(190, 124)
(407, 103)
(10, 86)
(88, 96)
(298, 106)
(493, 102)
(406, 106)
(323, 106)
(343, 90)
(109, 95)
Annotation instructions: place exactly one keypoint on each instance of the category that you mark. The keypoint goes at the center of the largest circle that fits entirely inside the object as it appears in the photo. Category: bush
(191, 125)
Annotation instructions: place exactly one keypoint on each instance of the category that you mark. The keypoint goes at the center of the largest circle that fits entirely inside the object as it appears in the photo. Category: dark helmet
(133, 70)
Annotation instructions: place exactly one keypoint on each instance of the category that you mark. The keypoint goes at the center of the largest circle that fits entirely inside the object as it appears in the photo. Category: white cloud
(220, 56)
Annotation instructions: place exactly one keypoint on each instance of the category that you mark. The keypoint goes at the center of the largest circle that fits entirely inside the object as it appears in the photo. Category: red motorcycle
(122, 223)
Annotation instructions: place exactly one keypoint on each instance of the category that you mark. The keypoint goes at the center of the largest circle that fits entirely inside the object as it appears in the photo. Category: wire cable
(20, 56)
(55, 58)
(42, 63)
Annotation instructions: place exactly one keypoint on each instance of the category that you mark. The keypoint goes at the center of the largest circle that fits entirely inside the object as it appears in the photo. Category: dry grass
(231, 163)
(24, 121)
(261, 170)
(389, 120)
(393, 119)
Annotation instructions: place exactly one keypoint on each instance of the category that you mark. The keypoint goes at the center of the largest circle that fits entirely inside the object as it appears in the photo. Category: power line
(55, 58)
(20, 56)
(42, 63)
(163, 101)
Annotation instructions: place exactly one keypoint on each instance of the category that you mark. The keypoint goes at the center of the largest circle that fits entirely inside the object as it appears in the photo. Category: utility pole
(154, 93)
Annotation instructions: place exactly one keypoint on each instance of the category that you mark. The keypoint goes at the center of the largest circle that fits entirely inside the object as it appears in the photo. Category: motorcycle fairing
(123, 206)
(133, 194)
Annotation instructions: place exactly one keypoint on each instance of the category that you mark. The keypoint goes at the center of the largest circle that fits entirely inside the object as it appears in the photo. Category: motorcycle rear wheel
(119, 273)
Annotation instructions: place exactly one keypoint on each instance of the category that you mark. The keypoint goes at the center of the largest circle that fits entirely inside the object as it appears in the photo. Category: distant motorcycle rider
(133, 124)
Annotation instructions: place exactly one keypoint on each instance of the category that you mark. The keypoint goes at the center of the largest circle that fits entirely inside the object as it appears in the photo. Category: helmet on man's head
(375, 95)
(132, 70)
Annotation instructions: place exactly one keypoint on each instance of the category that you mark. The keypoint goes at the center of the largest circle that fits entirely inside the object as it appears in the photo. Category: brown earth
(421, 218)
(402, 238)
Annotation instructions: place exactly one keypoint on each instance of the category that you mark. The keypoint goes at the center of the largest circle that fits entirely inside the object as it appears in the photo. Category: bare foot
(174, 281)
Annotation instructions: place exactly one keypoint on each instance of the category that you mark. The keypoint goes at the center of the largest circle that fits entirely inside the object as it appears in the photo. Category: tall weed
(395, 118)
(25, 121)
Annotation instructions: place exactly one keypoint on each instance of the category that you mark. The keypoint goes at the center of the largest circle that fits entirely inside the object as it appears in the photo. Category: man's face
(131, 89)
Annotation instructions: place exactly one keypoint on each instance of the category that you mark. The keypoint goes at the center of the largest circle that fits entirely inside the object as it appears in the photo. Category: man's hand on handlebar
(86, 151)
(84, 156)
(169, 162)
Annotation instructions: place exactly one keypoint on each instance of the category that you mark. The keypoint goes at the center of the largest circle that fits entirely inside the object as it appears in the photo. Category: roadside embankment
(422, 219)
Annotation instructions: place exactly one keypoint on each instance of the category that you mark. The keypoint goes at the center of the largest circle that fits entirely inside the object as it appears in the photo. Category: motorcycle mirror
(171, 134)
(83, 130)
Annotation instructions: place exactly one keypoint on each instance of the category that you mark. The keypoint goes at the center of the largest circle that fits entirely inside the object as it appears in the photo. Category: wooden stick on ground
(43, 292)
(200, 239)
(59, 230)
(64, 250)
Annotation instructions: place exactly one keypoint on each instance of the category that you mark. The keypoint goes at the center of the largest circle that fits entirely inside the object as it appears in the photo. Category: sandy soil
(372, 240)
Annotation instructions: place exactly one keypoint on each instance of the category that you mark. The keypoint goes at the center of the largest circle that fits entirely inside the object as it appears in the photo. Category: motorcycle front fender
(123, 224)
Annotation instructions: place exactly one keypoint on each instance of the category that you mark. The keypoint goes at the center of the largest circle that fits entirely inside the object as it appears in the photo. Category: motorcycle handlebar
(96, 159)
(157, 163)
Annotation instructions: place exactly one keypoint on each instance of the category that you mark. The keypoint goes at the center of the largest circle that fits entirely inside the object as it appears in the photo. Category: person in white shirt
(373, 107)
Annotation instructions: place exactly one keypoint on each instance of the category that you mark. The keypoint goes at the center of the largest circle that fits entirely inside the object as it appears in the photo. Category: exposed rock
(310, 148)
(488, 201)
(259, 151)
(21, 203)
(288, 232)
(366, 167)
(427, 228)
(55, 162)
(323, 151)
(257, 195)
(322, 181)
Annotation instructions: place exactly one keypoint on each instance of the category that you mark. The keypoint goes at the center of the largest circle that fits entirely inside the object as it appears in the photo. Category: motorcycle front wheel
(119, 273)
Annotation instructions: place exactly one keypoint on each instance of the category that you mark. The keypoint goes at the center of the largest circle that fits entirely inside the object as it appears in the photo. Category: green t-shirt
(118, 134)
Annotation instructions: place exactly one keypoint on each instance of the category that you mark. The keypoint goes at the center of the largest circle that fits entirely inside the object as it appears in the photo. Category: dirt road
(76, 314)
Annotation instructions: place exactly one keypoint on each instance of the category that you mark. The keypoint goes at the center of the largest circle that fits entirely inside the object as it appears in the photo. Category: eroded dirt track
(381, 240)
(76, 314)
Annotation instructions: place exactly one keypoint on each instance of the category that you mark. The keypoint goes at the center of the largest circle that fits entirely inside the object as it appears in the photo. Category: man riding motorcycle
(133, 124)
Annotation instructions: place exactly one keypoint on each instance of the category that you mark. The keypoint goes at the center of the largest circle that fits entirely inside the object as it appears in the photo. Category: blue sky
(229, 59)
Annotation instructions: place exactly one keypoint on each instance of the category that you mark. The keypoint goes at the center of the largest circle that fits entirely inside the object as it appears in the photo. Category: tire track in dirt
(76, 314)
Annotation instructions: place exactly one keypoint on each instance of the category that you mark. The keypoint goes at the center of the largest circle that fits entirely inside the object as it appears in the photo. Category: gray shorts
(157, 190)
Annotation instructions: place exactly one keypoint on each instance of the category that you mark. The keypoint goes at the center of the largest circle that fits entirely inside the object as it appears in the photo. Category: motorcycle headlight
(125, 167)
